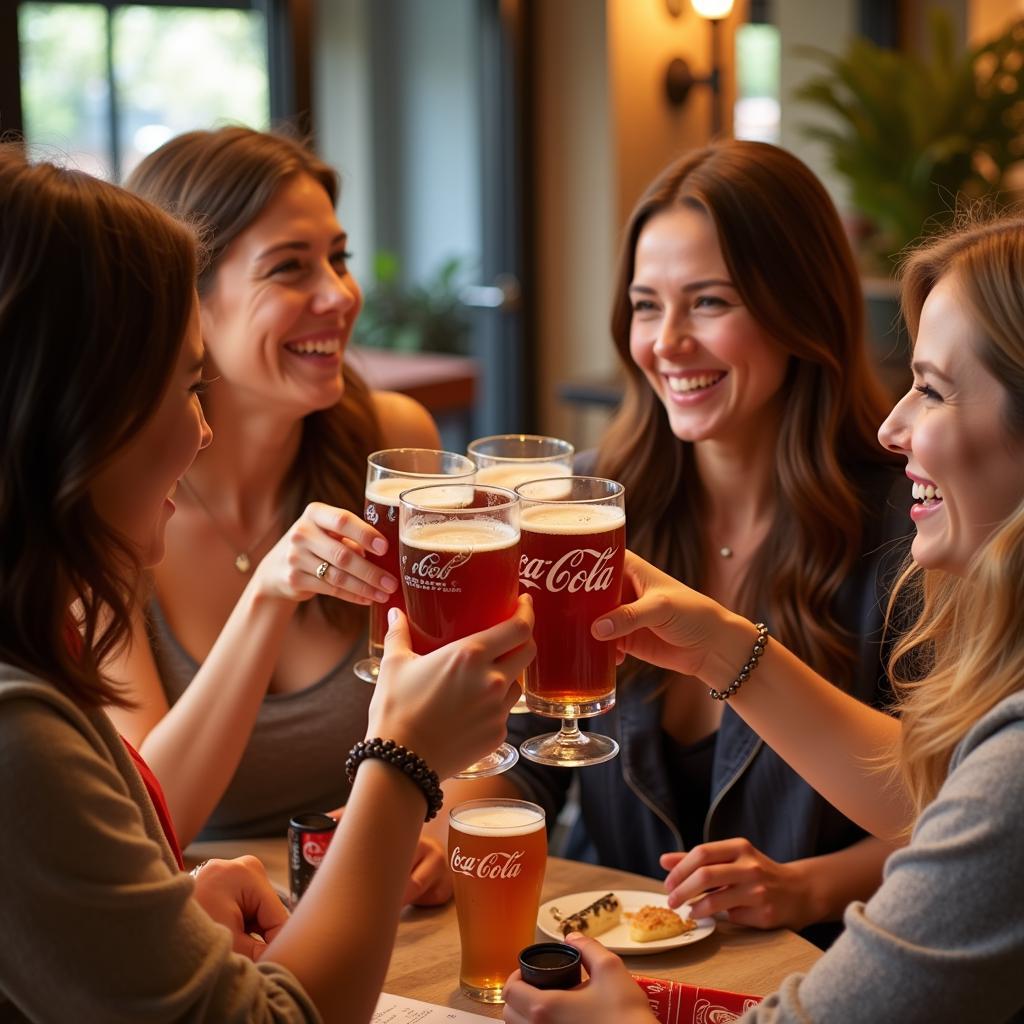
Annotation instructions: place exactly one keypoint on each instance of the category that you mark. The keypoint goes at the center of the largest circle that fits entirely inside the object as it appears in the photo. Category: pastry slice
(596, 919)
(651, 923)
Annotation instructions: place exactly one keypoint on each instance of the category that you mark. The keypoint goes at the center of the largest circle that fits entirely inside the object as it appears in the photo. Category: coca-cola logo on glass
(431, 571)
(498, 864)
(583, 569)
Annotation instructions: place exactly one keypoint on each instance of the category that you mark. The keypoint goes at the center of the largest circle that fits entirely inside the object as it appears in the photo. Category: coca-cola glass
(509, 460)
(497, 850)
(459, 547)
(573, 539)
(388, 473)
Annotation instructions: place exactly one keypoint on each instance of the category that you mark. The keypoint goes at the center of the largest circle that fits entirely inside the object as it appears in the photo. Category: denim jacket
(627, 807)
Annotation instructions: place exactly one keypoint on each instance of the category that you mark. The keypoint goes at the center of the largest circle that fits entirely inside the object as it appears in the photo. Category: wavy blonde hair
(963, 652)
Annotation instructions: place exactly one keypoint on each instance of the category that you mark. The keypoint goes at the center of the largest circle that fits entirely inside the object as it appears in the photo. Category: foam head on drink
(571, 563)
(513, 473)
(459, 576)
(497, 852)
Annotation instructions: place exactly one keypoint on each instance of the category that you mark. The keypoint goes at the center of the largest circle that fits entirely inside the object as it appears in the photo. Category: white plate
(617, 939)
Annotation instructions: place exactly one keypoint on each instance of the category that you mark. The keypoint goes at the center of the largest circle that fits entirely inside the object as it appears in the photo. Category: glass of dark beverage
(388, 473)
(459, 566)
(508, 460)
(573, 540)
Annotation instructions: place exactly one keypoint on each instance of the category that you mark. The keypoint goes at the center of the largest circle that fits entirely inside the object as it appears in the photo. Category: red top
(150, 781)
(156, 794)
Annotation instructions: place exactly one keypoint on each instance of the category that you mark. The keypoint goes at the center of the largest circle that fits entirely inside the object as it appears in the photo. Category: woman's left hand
(609, 994)
(739, 880)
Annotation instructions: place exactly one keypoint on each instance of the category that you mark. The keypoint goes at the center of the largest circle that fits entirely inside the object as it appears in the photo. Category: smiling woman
(252, 625)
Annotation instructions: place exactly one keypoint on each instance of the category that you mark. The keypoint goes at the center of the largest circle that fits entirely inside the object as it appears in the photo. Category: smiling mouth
(686, 385)
(315, 347)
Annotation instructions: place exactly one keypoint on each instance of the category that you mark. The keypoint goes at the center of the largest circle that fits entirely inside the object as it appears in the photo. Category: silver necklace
(243, 562)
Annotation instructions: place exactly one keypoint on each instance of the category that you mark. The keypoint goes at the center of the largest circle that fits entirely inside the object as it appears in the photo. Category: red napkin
(672, 1002)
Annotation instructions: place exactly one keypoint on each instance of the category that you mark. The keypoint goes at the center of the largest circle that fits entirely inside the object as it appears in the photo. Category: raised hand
(451, 706)
(335, 536)
(738, 879)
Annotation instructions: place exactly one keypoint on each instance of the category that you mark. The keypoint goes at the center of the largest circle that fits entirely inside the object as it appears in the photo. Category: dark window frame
(289, 54)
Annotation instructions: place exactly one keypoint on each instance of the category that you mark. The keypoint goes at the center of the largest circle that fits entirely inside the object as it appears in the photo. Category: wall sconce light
(679, 79)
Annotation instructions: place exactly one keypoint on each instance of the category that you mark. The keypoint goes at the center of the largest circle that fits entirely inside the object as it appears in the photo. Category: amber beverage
(571, 564)
(381, 512)
(458, 576)
(497, 851)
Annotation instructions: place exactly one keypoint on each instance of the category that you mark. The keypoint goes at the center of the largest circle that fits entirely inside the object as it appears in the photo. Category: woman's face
(281, 309)
(715, 369)
(967, 468)
(133, 491)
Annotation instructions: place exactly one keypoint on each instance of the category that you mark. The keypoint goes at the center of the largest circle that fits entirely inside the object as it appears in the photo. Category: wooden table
(425, 964)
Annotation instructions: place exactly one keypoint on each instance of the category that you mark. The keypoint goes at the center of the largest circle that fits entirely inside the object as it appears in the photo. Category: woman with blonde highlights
(942, 939)
(747, 447)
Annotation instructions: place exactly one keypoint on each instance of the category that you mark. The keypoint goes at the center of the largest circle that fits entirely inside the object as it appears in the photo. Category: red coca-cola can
(309, 835)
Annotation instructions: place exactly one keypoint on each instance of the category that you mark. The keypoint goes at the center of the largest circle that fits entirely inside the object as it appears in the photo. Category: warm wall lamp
(679, 79)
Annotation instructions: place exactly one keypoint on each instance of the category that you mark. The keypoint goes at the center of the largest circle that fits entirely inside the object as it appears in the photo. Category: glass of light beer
(459, 545)
(572, 554)
(509, 460)
(388, 473)
(497, 850)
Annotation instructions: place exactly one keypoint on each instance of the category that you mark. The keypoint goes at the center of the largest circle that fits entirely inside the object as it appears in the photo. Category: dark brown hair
(96, 287)
(222, 181)
(788, 258)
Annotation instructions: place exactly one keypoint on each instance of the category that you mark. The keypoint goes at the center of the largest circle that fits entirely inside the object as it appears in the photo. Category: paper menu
(399, 1010)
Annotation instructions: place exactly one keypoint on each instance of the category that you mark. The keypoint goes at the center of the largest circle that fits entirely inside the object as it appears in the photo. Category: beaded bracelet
(755, 657)
(403, 759)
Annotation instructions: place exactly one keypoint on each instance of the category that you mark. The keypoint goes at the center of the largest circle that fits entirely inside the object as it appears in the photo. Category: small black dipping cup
(551, 965)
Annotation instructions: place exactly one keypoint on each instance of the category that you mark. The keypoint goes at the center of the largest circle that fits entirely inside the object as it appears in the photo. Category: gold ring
(321, 570)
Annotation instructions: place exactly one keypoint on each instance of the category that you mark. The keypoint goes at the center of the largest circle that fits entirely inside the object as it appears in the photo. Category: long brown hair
(222, 180)
(788, 258)
(964, 652)
(96, 287)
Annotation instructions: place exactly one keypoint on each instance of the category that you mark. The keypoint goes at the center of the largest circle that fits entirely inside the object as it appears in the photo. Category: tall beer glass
(509, 460)
(573, 549)
(497, 850)
(460, 572)
(388, 473)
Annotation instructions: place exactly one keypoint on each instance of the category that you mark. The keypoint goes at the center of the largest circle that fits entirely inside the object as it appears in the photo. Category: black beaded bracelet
(404, 760)
(755, 657)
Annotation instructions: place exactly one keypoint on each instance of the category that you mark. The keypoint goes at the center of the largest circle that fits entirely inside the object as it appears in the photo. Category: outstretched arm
(831, 739)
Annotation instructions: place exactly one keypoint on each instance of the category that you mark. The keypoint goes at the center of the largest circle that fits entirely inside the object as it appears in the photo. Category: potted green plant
(425, 317)
(915, 136)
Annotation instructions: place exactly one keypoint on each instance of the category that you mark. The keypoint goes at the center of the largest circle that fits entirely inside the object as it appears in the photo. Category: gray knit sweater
(98, 923)
(943, 938)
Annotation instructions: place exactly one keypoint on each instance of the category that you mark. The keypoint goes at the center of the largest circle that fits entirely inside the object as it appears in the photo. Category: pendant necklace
(243, 562)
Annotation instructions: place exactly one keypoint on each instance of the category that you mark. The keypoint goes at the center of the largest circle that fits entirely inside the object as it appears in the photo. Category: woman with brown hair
(241, 675)
(99, 922)
(942, 938)
(746, 446)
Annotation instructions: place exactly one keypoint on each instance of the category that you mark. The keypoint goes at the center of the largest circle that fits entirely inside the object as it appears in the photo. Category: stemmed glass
(460, 572)
(388, 473)
(573, 549)
(509, 460)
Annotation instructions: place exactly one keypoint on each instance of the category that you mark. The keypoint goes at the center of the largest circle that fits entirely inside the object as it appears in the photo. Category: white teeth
(925, 492)
(322, 347)
(681, 385)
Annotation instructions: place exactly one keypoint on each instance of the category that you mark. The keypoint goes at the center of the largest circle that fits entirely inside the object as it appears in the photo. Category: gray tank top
(295, 759)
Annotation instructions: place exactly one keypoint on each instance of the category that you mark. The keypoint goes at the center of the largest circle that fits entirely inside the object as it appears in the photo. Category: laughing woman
(100, 418)
(942, 940)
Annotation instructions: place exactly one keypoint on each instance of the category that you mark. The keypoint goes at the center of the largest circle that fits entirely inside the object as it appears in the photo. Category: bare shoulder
(404, 422)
